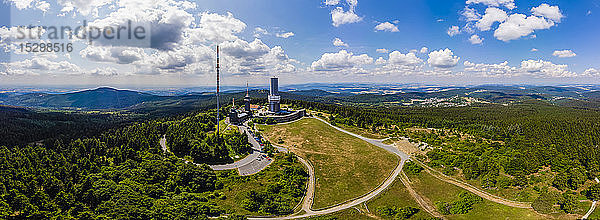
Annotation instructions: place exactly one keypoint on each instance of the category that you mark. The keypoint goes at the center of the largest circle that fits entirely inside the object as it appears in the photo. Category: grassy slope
(361, 131)
(397, 195)
(345, 167)
(436, 190)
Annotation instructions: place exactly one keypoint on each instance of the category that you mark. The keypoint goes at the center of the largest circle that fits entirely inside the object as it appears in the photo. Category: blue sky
(410, 41)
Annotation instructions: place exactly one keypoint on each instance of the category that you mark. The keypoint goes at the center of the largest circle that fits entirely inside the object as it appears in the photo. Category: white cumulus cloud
(454, 30)
(387, 26)
(564, 53)
(591, 72)
(409, 59)
(332, 2)
(491, 16)
(342, 60)
(33, 4)
(475, 39)
(470, 14)
(544, 69)
(483, 69)
(339, 16)
(547, 11)
(285, 35)
(258, 32)
(339, 43)
(519, 25)
(85, 7)
(443, 59)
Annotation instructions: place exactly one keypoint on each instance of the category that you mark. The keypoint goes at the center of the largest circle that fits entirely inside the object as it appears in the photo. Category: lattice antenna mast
(218, 108)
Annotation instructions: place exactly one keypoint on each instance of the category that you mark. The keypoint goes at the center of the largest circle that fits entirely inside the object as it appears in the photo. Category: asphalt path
(251, 164)
(310, 190)
(307, 203)
(376, 142)
(593, 207)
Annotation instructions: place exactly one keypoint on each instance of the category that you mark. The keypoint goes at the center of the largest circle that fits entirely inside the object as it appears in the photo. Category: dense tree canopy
(121, 174)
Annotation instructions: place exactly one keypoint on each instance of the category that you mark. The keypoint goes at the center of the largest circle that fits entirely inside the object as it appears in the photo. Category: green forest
(108, 167)
(124, 174)
(21, 126)
(194, 136)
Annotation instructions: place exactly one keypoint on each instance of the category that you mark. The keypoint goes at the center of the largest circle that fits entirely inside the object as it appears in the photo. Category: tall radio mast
(218, 109)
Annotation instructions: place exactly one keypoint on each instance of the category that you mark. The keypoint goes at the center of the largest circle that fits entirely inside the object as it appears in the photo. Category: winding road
(307, 202)
(310, 189)
(593, 207)
(251, 164)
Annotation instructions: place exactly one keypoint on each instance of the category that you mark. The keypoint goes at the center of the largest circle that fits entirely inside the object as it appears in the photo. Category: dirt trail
(439, 175)
(424, 204)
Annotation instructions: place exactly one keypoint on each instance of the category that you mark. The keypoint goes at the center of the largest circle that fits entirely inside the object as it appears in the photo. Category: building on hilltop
(271, 114)
(274, 98)
(238, 116)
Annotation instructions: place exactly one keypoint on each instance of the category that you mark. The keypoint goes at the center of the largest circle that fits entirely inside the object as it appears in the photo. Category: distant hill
(100, 98)
(593, 95)
(140, 102)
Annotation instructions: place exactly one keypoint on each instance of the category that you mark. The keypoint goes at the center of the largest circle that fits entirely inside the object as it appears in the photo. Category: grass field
(362, 132)
(345, 166)
(436, 190)
(237, 186)
(397, 195)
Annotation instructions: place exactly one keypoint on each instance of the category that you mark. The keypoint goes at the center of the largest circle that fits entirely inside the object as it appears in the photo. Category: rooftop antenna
(218, 109)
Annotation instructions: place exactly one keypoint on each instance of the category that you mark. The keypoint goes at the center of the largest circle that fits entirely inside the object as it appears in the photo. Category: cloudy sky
(331, 41)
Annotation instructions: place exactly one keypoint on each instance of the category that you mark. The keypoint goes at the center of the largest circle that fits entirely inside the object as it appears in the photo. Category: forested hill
(101, 98)
(121, 174)
(114, 99)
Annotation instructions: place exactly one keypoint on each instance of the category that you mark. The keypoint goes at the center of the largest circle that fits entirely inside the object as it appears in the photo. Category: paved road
(255, 166)
(251, 164)
(254, 156)
(587, 215)
(310, 190)
(357, 201)
(593, 207)
(375, 142)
